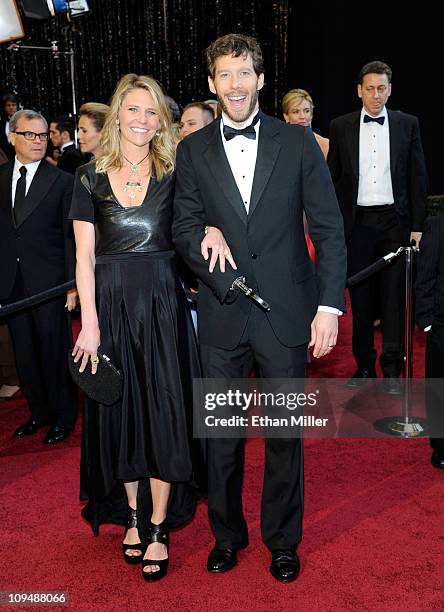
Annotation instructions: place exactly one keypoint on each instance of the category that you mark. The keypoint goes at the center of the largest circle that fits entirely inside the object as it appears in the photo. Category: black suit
(70, 159)
(372, 232)
(5, 145)
(429, 290)
(37, 253)
(269, 247)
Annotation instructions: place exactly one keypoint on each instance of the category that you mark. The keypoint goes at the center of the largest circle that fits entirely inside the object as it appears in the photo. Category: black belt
(376, 208)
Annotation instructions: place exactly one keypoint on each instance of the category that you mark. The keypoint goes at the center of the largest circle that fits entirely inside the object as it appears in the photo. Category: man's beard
(250, 109)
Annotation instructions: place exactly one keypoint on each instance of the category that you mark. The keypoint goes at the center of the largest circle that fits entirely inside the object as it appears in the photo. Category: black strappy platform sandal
(132, 522)
(158, 533)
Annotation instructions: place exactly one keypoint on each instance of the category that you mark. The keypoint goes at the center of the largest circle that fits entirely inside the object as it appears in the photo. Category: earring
(117, 122)
(158, 133)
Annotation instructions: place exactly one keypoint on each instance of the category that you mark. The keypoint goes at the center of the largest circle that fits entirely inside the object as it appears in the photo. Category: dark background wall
(315, 45)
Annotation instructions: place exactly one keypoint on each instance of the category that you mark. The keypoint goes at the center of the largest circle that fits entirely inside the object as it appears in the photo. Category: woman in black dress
(134, 308)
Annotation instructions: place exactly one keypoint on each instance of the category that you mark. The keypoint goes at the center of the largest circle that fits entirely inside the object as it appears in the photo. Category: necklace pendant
(131, 187)
(135, 167)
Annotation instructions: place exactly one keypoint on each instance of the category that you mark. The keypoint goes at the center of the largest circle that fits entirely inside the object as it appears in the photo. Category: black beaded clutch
(105, 386)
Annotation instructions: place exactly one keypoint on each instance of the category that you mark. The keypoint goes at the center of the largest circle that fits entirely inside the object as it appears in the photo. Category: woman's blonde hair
(162, 153)
(295, 96)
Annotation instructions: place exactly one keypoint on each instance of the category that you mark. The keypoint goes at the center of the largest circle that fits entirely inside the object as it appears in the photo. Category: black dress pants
(282, 492)
(41, 337)
(375, 233)
(435, 399)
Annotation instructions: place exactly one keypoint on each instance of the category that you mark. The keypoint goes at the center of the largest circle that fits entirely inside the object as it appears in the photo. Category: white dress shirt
(67, 144)
(31, 169)
(241, 154)
(375, 181)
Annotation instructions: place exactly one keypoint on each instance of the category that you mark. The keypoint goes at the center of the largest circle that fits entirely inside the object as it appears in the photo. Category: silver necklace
(133, 183)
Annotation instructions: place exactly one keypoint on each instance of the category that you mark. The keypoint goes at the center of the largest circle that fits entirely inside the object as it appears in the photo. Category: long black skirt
(147, 332)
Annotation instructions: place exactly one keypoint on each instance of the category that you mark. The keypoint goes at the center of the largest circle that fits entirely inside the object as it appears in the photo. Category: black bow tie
(368, 119)
(248, 132)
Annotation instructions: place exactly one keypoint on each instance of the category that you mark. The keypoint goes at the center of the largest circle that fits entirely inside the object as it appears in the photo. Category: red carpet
(373, 530)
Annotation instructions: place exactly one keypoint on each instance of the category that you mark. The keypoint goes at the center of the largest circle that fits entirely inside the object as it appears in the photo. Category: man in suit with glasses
(37, 253)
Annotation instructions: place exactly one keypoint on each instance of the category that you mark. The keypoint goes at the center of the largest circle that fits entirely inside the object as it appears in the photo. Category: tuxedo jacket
(268, 243)
(5, 145)
(41, 239)
(429, 284)
(70, 159)
(407, 167)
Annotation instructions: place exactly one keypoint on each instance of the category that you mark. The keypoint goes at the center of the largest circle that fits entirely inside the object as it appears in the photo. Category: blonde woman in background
(297, 108)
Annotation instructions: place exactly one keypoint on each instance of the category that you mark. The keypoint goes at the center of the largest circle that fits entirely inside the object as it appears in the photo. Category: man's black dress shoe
(221, 559)
(28, 428)
(360, 377)
(285, 565)
(56, 434)
(437, 459)
(392, 385)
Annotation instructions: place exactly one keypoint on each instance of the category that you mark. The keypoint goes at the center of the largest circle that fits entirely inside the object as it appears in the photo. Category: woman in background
(297, 108)
(91, 121)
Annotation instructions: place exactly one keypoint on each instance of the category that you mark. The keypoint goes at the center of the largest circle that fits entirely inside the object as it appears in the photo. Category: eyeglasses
(33, 135)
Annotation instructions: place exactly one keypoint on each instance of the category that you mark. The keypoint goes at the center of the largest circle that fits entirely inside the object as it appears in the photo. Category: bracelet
(206, 228)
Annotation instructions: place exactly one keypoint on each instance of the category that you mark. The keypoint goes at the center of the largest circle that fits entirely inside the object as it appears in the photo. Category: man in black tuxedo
(378, 169)
(61, 132)
(429, 312)
(37, 253)
(254, 185)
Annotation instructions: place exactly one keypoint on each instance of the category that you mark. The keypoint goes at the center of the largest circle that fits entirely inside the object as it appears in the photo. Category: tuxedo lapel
(395, 140)
(41, 184)
(220, 169)
(267, 153)
(352, 138)
(6, 188)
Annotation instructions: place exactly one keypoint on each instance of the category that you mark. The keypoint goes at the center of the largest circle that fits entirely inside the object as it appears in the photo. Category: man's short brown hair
(236, 45)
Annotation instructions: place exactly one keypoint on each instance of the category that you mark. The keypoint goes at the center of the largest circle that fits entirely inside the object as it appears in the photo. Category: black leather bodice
(119, 229)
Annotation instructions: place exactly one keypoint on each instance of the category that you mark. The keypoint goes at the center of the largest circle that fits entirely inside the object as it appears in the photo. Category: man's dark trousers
(282, 493)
